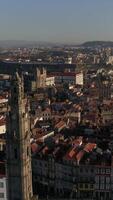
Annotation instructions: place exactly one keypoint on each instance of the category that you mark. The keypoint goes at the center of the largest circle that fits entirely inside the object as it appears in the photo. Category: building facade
(66, 179)
(40, 78)
(3, 187)
(18, 144)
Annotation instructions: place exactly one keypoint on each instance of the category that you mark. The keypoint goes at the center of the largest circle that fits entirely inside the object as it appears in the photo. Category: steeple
(18, 144)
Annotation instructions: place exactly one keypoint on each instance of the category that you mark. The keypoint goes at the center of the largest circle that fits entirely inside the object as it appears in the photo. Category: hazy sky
(69, 21)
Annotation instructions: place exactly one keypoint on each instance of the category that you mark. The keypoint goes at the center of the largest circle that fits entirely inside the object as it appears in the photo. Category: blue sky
(64, 21)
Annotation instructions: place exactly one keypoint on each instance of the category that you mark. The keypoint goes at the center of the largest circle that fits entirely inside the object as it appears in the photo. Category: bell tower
(19, 171)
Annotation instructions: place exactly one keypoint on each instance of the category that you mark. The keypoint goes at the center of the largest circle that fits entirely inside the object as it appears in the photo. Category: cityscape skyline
(56, 100)
(60, 21)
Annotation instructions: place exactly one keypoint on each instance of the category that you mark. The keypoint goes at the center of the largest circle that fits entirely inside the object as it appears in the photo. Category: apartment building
(73, 169)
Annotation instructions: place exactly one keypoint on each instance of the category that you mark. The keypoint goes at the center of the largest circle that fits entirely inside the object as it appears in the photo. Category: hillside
(98, 43)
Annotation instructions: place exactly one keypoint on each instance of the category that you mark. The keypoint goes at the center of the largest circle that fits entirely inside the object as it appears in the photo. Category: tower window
(14, 89)
(1, 184)
(1, 195)
(15, 153)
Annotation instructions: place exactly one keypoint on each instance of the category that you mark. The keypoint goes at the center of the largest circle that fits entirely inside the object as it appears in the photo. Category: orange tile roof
(77, 141)
(45, 150)
(89, 147)
(60, 124)
(80, 155)
(71, 153)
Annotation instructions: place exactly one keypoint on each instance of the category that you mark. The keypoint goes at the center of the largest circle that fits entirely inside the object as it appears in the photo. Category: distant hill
(98, 43)
(35, 44)
(23, 43)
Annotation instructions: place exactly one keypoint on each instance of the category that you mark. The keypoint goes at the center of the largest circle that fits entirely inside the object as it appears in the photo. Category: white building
(68, 77)
(64, 77)
(103, 182)
(69, 60)
(110, 60)
(2, 129)
(74, 115)
(50, 81)
(46, 114)
(3, 190)
(79, 78)
(2, 125)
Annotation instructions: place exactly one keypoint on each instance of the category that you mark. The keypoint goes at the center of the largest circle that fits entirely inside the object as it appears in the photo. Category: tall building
(18, 144)
(79, 78)
(104, 87)
(3, 181)
(40, 78)
(110, 60)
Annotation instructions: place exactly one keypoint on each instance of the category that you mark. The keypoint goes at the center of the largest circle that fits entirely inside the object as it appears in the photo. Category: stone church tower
(18, 144)
(40, 78)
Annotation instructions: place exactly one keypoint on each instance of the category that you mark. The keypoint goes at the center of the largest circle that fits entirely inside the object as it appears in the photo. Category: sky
(62, 21)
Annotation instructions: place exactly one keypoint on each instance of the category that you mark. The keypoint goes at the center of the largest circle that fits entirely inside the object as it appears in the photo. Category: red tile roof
(60, 124)
(80, 155)
(89, 147)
